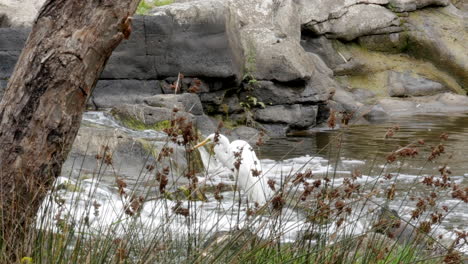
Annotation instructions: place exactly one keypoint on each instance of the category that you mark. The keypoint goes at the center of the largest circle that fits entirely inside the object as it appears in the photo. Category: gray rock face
(439, 35)
(412, 5)
(296, 116)
(322, 47)
(394, 42)
(130, 155)
(13, 39)
(347, 101)
(264, 37)
(7, 63)
(206, 125)
(442, 103)
(317, 11)
(359, 20)
(3, 85)
(276, 93)
(109, 93)
(404, 84)
(186, 102)
(189, 38)
(215, 98)
(148, 115)
(19, 13)
(248, 134)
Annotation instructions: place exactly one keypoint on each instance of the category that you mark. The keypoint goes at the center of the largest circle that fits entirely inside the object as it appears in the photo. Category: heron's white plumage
(256, 187)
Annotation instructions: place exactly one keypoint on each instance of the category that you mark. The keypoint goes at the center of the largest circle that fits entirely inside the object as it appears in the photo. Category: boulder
(346, 100)
(187, 102)
(412, 5)
(248, 134)
(121, 66)
(110, 93)
(215, 98)
(13, 39)
(393, 42)
(141, 115)
(7, 63)
(323, 47)
(276, 130)
(130, 156)
(265, 40)
(317, 11)
(296, 116)
(362, 95)
(460, 4)
(436, 104)
(359, 20)
(272, 93)
(3, 85)
(404, 84)
(19, 13)
(206, 125)
(189, 38)
(439, 35)
(231, 104)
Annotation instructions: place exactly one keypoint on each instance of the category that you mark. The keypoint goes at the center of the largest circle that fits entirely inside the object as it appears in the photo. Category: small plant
(251, 102)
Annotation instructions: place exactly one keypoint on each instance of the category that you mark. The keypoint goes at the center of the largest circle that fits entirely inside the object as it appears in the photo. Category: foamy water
(157, 215)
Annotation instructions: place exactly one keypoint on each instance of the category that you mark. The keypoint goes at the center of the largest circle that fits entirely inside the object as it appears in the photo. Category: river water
(327, 153)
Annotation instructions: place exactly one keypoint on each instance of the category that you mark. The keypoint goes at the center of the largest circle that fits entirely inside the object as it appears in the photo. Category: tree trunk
(42, 107)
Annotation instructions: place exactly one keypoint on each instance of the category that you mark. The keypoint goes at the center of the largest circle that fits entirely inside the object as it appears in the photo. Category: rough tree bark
(42, 107)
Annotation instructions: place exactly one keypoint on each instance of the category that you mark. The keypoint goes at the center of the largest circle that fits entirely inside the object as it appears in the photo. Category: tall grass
(162, 217)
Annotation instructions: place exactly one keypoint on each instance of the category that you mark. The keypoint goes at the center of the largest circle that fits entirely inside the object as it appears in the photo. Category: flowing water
(335, 154)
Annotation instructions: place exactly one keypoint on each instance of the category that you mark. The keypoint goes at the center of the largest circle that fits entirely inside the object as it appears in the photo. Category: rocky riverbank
(280, 66)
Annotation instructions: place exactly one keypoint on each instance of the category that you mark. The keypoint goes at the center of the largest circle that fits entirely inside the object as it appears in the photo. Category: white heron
(240, 157)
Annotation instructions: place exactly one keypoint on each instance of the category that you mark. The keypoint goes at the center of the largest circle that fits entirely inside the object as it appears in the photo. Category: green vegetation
(145, 6)
(155, 219)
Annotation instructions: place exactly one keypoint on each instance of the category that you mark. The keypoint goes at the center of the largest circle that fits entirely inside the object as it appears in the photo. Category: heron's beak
(202, 143)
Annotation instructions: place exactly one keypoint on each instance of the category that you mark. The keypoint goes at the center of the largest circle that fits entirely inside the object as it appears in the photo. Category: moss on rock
(375, 67)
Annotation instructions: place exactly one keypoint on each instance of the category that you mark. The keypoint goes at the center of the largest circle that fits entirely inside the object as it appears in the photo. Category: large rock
(19, 13)
(412, 5)
(296, 116)
(189, 38)
(135, 114)
(317, 11)
(347, 101)
(439, 35)
(323, 47)
(359, 20)
(3, 85)
(7, 63)
(272, 93)
(130, 156)
(405, 84)
(187, 102)
(442, 103)
(393, 42)
(265, 39)
(13, 39)
(109, 93)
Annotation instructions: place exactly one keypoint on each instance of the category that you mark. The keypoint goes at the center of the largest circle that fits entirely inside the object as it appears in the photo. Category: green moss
(163, 2)
(144, 7)
(374, 76)
(139, 125)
